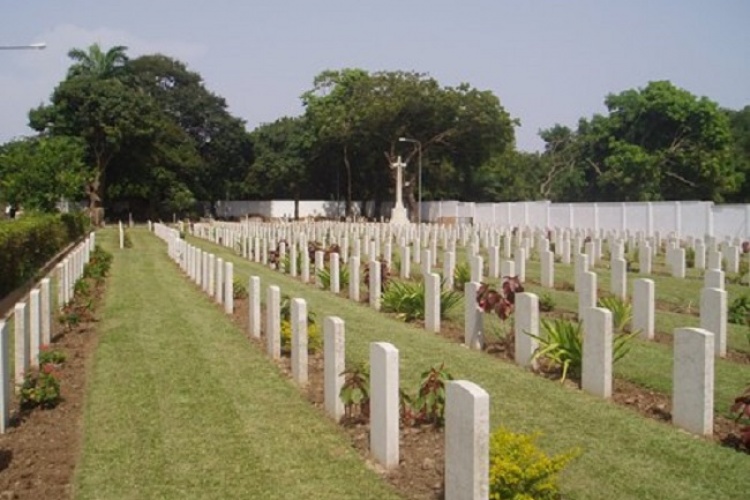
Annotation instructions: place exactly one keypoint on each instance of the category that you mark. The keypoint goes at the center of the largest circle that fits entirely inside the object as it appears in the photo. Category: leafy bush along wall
(26, 244)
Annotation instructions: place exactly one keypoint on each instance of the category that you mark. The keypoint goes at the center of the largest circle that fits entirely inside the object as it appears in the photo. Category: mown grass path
(624, 455)
(181, 405)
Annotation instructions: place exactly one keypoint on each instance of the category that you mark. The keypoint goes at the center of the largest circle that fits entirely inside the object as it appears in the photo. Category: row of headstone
(467, 405)
(694, 351)
(32, 323)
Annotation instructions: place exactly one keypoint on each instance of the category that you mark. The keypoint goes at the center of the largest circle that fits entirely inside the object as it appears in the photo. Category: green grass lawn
(624, 454)
(181, 405)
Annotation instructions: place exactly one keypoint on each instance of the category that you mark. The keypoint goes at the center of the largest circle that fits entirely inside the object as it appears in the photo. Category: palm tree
(97, 63)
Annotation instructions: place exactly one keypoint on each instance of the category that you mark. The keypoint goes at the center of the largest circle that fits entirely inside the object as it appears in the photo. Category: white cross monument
(398, 214)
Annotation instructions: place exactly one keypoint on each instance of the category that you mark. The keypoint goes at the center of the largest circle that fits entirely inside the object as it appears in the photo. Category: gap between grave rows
(180, 404)
(625, 455)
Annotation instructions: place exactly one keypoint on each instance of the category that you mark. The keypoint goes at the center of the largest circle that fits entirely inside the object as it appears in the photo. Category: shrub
(739, 310)
(690, 257)
(562, 345)
(546, 302)
(502, 302)
(520, 470)
(461, 276)
(314, 338)
(41, 388)
(99, 264)
(26, 244)
(239, 290)
(126, 241)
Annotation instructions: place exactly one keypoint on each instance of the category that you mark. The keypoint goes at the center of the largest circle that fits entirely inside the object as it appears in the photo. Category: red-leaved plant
(500, 302)
(741, 409)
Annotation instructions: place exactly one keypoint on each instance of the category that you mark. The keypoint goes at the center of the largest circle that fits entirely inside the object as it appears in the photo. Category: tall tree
(38, 172)
(363, 115)
(97, 63)
(657, 143)
(106, 114)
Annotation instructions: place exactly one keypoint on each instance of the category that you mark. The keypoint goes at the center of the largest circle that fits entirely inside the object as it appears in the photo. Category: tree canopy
(145, 135)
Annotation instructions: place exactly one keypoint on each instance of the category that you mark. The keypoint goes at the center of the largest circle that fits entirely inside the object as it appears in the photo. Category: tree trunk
(95, 192)
(347, 164)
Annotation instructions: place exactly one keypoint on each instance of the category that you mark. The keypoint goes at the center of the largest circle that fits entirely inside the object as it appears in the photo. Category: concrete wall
(687, 218)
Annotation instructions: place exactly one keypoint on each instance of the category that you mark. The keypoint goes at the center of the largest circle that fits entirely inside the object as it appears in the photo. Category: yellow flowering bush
(519, 470)
(314, 338)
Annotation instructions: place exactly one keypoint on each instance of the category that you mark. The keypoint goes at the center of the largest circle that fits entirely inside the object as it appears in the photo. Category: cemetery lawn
(180, 404)
(624, 455)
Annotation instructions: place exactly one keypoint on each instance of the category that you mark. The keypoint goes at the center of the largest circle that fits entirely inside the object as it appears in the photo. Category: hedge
(28, 243)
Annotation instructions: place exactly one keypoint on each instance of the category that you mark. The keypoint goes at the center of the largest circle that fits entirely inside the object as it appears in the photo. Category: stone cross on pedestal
(398, 214)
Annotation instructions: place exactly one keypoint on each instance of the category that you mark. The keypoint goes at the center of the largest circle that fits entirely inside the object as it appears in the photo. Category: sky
(548, 61)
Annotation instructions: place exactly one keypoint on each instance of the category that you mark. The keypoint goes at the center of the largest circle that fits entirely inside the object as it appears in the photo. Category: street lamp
(38, 46)
(419, 175)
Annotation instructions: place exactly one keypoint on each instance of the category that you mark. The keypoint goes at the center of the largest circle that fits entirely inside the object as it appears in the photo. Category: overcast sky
(549, 61)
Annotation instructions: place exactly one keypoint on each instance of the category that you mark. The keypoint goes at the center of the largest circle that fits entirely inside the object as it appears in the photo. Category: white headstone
(596, 370)
(693, 381)
(467, 441)
(334, 365)
(384, 404)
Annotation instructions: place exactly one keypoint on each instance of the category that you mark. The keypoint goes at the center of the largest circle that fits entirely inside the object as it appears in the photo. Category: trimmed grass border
(181, 405)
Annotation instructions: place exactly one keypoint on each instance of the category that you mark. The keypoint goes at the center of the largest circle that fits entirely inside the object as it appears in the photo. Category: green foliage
(355, 393)
(690, 257)
(461, 276)
(26, 244)
(562, 345)
(325, 277)
(519, 470)
(656, 143)
(127, 242)
(739, 310)
(314, 337)
(546, 302)
(239, 290)
(99, 263)
(407, 300)
(40, 389)
(47, 355)
(622, 312)
(37, 172)
(285, 310)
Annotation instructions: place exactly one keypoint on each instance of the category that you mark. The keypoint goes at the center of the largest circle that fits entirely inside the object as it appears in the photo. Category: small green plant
(69, 318)
(520, 470)
(461, 276)
(82, 288)
(741, 411)
(690, 257)
(239, 290)
(325, 277)
(407, 299)
(314, 338)
(562, 345)
(126, 241)
(40, 389)
(99, 264)
(285, 310)
(739, 310)
(622, 312)
(546, 302)
(355, 393)
(47, 355)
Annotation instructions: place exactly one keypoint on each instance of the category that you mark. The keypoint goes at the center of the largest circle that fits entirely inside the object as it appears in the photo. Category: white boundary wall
(685, 218)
